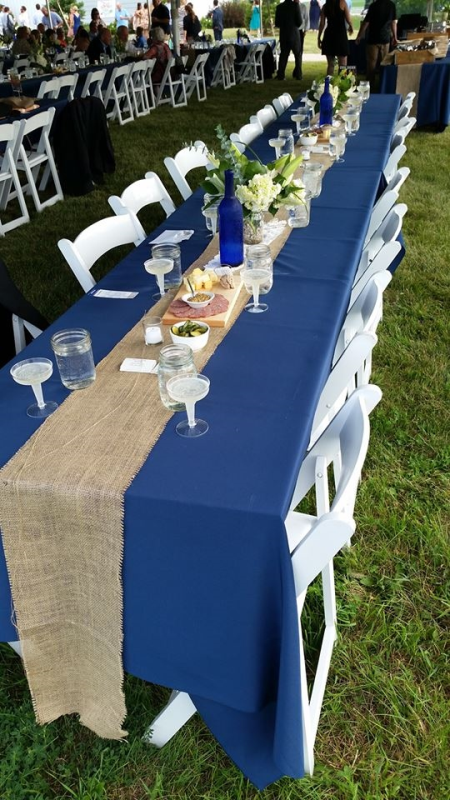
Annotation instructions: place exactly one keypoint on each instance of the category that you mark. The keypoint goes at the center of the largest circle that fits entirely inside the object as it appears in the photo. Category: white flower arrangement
(259, 193)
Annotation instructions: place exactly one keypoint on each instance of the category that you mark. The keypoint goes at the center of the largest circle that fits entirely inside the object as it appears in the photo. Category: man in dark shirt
(101, 44)
(381, 24)
(288, 20)
(160, 16)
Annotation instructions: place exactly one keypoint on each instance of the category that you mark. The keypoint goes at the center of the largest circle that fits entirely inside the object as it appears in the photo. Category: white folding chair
(68, 82)
(49, 89)
(96, 240)
(347, 374)
(265, 116)
(224, 74)
(405, 108)
(185, 160)
(93, 84)
(139, 194)
(251, 69)
(9, 180)
(139, 89)
(382, 261)
(386, 201)
(314, 541)
(405, 124)
(364, 316)
(246, 135)
(392, 162)
(171, 90)
(22, 63)
(117, 92)
(39, 157)
(195, 79)
(387, 232)
(150, 64)
(19, 327)
(60, 58)
(282, 103)
(397, 181)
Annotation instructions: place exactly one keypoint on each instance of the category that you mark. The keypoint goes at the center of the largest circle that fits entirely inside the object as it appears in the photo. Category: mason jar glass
(174, 359)
(73, 352)
(288, 136)
(172, 278)
(299, 214)
(312, 178)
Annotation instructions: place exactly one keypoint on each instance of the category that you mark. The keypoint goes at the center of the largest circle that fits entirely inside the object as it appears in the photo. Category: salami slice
(180, 309)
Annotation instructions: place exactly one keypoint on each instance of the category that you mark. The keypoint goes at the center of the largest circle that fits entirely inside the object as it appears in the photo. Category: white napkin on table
(172, 237)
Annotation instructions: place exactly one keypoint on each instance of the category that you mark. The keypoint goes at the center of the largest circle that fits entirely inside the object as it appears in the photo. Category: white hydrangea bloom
(259, 193)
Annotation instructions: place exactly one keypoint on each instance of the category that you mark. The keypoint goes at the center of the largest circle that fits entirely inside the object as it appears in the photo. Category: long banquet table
(209, 602)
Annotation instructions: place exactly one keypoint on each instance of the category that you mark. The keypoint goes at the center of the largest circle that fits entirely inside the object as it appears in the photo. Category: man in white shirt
(37, 17)
(23, 18)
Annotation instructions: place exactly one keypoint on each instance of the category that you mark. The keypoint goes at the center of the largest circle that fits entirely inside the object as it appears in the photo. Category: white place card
(139, 365)
(172, 237)
(114, 295)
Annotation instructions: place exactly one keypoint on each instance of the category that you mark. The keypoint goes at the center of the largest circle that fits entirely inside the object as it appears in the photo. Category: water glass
(299, 215)
(364, 88)
(312, 178)
(172, 278)
(174, 359)
(73, 351)
(287, 147)
(258, 256)
(337, 143)
(301, 121)
(152, 329)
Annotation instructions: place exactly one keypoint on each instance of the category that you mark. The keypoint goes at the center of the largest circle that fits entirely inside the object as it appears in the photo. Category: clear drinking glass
(188, 390)
(301, 121)
(258, 256)
(174, 359)
(152, 329)
(351, 119)
(288, 147)
(159, 267)
(210, 213)
(33, 372)
(364, 88)
(74, 357)
(312, 177)
(338, 140)
(299, 215)
(277, 143)
(173, 252)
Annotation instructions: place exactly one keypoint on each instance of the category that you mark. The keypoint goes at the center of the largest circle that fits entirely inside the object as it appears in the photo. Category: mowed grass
(384, 732)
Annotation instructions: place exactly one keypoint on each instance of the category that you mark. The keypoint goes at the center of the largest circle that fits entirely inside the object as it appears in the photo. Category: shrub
(234, 14)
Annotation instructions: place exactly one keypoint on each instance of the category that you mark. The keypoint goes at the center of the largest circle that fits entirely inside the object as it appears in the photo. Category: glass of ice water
(73, 351)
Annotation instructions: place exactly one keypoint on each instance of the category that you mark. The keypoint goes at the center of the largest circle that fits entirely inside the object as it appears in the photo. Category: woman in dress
(145, 21)
(255, 19)
(74, 21)
(137, 17)
(159, 50)
(191, 23)
(314, 15)
(333, 18)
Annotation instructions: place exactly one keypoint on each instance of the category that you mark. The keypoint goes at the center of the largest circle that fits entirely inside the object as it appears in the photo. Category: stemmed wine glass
(278, 144)
(253, 280)
(189, 389)
(33, 372)
(159, 267)
(351, 120)
(338, 141)
(210, 213)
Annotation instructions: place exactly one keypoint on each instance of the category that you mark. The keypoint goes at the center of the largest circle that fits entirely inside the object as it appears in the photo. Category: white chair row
(35, 161)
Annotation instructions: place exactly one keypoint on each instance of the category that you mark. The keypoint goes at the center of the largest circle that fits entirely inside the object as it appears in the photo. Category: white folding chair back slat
(380, 263)
(10, 187)
(246, 135)
(387, 232)
(185, 160)
(68, 82)
(49, 89)
(405, 124)
(93, 84)
(22, 63)
(397, 181)
(380, 211)
(19, 327)
(224, 74)
(96, 240)
(139, 194)
(265, 116)
(406, 106)
(40, 156)
(364, 315)
(346, 375)
(393, 161)
(150, 64)
(171, 90)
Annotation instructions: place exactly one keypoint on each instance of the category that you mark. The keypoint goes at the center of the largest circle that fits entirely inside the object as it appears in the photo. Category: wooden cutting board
(218, 320)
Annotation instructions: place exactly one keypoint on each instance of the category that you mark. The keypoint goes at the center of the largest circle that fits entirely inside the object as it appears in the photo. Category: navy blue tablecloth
(209, 601)
(433, 103)
(30, 86)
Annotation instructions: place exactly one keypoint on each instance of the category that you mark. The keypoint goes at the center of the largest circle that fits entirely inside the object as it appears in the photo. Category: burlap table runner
(62, 514)
(408, 80)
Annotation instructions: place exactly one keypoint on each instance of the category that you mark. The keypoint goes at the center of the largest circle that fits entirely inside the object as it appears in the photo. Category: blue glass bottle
(231, 225)
(326, 105)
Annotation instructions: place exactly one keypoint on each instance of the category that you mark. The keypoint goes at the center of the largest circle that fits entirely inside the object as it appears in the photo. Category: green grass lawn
(384, 733)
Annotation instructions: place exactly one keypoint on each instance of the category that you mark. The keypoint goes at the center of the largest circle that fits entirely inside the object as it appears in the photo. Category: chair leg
(174, 715)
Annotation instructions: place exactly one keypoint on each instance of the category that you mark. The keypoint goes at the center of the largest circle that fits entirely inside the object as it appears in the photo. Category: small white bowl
(308, 141)
(203, 304)
(194, 342)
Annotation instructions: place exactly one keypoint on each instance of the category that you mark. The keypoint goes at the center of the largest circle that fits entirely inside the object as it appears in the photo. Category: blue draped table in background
(433, 102)
(209, 601)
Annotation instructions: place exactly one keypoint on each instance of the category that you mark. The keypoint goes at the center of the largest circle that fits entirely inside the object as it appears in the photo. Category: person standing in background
(217, 21)
(137, 17)
(304, 14)
(23, 19)
(255, 19)
(121, 17)
(335, 19)
(161, 16)
(314, 15)
(381, 22)
(145, 21)
(288, 20)
(37, 17)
